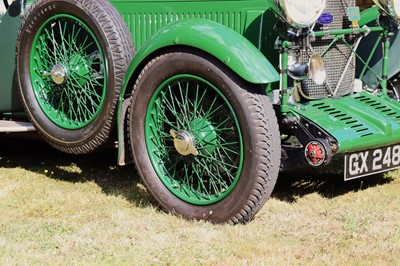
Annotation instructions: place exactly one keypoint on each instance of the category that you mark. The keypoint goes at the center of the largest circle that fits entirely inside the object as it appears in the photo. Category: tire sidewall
(222, 210)
(32, 23)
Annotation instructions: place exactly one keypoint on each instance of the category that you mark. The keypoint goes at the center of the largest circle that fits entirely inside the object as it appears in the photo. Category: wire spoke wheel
(67, 71)
(205, 142)
(194, 139)
(72, 56)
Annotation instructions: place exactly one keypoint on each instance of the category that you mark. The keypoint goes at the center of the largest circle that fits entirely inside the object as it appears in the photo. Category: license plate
(363, 163)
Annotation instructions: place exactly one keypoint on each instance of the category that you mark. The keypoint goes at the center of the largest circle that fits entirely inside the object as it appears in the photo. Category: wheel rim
(67, 69)
(194, 140)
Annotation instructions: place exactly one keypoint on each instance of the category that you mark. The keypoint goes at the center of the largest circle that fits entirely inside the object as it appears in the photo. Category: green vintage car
(210, 100)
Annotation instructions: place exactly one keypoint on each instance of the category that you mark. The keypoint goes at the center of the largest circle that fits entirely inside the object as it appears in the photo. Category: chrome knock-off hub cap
(184, 142)
(58, 74)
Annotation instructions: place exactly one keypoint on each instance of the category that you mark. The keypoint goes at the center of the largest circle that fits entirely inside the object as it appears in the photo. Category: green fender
(216, 39)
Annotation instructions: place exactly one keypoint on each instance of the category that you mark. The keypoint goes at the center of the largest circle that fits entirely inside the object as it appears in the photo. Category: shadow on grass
(294, 185)
(28, 151)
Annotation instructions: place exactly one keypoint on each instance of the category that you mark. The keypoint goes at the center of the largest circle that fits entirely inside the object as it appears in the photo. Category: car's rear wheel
(71, 60)
(206, 143)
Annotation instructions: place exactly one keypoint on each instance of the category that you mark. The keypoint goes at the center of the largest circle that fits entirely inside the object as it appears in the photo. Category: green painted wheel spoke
(228, 169)
(170, 106)
(228, 152)
(82, 47)
(212, 177)
(60, 108)
(207, 115)
(174, 108)
(95, 84)
(89, 97)
(183, 103)
(163, 117)
(197, 101)
(166, 121)
(75, 32)
(66, 42)
(76, 48)
(201, 189)
(216, 184)
(187, 176)
(44, 41)
(56, 50)
(161, 133)
(210, 113)
(77, 104)
(173, 169)
(192, 106)
(69, 103)
(62, 30)
(190, 101)
(223, 130)
(223, 122)
(225, 144)
(45, 59)
(217, 161)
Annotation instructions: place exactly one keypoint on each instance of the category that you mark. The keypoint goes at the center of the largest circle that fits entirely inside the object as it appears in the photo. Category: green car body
(351, 117)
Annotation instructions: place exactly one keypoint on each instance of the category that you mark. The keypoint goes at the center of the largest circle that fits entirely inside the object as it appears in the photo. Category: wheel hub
(183, 142)
(58, 74)
(79, 66)
(205, 133)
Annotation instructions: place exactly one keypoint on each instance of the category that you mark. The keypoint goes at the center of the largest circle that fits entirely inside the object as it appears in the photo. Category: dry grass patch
(62, 209)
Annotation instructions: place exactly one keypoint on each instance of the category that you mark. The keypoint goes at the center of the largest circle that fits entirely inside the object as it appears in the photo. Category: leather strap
(378, 4)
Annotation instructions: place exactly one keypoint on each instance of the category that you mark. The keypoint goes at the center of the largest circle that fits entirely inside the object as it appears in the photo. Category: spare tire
(71, 60)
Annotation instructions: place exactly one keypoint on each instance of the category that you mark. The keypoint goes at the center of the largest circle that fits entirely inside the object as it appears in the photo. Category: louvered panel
(144, 25)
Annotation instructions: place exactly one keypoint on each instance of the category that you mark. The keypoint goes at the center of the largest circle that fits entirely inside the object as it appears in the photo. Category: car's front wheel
(206, 143)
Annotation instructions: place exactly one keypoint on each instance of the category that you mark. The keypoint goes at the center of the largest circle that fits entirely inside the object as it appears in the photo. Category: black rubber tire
(260, 134)
(115, 44)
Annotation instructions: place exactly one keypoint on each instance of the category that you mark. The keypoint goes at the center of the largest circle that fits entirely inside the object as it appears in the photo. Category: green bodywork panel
(246, 17)
(370, 78)
(223, 43)
(9, 25)
(358, 122)
(239, 33)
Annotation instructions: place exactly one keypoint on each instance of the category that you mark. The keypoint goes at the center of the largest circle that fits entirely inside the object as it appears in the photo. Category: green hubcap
(194, 140)
(206, 135)
(80, 69)
(67, 72)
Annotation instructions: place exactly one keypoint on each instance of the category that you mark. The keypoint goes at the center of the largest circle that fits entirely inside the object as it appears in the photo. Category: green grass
(58, 209)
